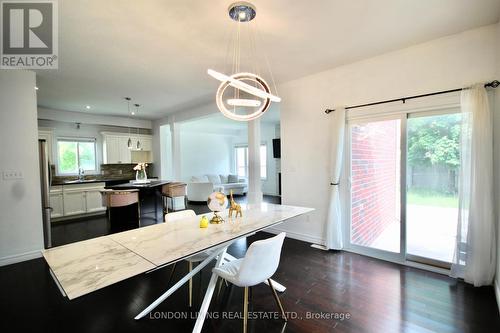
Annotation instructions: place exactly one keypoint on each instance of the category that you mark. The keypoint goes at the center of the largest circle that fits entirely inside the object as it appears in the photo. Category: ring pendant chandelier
(244, 95)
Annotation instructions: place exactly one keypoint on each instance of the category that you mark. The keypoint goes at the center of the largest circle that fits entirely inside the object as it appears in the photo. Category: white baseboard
(20, 257)
(319, 247)
(497, 292)
(296, 235)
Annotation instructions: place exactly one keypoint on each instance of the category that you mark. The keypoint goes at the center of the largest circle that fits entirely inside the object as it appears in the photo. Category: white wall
(496, 147)
(21, 236)
(204, 153)
(442, 64)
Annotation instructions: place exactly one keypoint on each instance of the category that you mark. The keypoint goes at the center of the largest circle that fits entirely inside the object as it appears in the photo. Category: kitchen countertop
(129, 185)
(89, 181)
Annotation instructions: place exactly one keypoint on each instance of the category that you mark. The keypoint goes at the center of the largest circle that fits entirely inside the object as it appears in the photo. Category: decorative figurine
(217, 202)
(234, 207)
(204, 222)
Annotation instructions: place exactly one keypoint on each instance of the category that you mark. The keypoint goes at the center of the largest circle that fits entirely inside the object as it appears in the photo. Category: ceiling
(217, 123)
(158, 51)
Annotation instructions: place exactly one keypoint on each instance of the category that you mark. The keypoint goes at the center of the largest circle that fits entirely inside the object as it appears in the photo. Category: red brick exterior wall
(375, 179)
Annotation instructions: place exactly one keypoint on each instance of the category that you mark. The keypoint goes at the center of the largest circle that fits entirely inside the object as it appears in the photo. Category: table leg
(179, 284)
(57, 282)
(208, 295)
(156, 205)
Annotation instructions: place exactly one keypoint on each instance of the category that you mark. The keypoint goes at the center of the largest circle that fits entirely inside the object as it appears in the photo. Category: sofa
(199, 191)
(199, 188)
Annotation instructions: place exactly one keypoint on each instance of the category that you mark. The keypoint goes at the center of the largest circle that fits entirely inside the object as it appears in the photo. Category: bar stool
(171, 190)
(121, 198)
(259, 264)
(174, 216)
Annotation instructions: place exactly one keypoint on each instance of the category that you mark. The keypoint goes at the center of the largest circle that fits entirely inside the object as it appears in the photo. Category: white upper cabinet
(111, 149)
(116, 151)
(124, 151)
(146, 144)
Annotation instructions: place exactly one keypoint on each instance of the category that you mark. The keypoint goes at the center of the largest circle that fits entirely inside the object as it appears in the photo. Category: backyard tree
(435, 142)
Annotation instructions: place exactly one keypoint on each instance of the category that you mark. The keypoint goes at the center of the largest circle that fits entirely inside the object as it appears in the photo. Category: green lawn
(431, 198)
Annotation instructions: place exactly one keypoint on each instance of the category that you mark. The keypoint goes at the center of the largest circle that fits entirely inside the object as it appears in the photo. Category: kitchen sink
(76, 181)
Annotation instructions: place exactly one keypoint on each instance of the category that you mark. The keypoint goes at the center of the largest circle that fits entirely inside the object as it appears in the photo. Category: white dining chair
(174, 216)
(259, 264)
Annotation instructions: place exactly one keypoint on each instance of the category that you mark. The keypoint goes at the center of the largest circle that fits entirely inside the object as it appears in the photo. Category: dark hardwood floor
(376, 295)
(326, 292)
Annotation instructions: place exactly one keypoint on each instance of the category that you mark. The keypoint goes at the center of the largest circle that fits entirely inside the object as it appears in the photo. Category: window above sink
(74, 154)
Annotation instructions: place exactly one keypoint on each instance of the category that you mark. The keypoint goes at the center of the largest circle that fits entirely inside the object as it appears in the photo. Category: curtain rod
(492, 84)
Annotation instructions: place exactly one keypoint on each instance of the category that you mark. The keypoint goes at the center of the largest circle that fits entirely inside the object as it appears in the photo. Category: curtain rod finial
(327, 111)
(494, 84)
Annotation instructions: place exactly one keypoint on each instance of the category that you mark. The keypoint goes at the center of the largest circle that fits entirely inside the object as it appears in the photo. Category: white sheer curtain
(334, 218)
(475, 251)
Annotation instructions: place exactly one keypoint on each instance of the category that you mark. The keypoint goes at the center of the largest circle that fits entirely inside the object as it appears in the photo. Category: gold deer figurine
(234, 207)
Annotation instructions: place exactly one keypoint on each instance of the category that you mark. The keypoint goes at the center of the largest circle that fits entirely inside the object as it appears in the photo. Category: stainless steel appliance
(45, 181)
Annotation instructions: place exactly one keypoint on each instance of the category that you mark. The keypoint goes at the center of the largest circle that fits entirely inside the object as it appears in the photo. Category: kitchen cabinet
(93, 200)
(76, 200)
(56, 202)
(146, 143)
(141, 156)
(124, 150)
(116, 151)
(111, 150)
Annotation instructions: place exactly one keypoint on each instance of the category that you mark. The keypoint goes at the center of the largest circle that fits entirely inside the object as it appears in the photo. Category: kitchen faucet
(81, 174)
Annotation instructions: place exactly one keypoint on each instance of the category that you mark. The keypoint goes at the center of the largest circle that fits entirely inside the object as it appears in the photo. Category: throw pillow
(232, 178)
(223, 179)
(214, 179)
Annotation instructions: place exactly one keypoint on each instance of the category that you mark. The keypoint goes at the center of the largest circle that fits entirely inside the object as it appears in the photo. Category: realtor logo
(29, 35)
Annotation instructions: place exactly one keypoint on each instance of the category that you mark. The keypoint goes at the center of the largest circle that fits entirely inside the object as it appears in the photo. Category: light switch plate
(12, 175)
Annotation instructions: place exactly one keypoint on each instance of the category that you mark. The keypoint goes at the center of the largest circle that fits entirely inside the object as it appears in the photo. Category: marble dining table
(83, 267)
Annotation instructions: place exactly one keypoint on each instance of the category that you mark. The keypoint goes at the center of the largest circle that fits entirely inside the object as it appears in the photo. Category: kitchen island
(150, 191)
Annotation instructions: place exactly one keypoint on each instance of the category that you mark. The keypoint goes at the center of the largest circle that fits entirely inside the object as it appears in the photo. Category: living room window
(241, 160)
(73, 154)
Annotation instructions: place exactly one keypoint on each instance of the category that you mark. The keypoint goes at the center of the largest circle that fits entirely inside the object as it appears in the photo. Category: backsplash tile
(108, 172)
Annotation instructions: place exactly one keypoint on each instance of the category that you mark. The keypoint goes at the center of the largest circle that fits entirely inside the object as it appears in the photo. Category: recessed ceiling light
(36, 88)
(133, 113)
(88, 107)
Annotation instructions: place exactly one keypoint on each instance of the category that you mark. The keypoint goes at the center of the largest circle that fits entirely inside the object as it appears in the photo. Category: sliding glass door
(403, 185)
(433, 160)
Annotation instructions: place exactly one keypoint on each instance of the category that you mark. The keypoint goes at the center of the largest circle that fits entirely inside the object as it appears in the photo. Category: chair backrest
(261, 261)
(120, 198)
(174, 189)
(182, 214)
